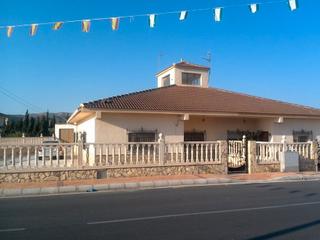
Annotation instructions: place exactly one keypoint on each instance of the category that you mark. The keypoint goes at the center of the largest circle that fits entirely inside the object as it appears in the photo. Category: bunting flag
(183, 15)
(33, 29)
(115, 23)
(293, 5)
(152, 20)
(85, 26)
(9, 31)
(254, 8)
(57, 26)
(217, 14)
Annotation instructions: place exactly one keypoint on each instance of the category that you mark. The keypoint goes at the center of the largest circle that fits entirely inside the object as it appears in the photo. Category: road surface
(253, 211)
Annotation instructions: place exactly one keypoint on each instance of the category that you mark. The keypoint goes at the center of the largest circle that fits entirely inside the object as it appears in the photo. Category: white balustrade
(122, 154)
(193, 153)
(37, 156)
(267, 152)
(47, 156)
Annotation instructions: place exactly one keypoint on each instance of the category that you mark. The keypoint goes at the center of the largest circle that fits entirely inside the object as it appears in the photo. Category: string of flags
(115, 21)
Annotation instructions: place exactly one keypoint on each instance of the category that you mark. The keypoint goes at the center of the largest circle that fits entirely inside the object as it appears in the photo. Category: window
(142, 137)
(302, 136)
(191, 78)
(194, 136)
(262, 136)
(166, 80)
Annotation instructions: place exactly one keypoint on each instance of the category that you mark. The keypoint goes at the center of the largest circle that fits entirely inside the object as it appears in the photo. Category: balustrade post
(80, 153)
(252, 158)
(314, 153)
(284, 142)
(223, 155)
(161, 149)
(244, 147)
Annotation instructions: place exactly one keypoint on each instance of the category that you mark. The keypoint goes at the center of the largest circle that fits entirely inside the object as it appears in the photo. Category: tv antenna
(159, 60)
(208, 59)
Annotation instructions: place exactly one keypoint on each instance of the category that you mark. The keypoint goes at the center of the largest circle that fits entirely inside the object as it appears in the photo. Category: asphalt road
(257, 211)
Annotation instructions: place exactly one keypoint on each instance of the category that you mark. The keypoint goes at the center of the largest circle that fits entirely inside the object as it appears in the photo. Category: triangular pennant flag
(217, 14)
(33, 29)
(152, 20)
(115, 23)
(9, 31)
(293, 5)
(183, 15)
(86, 26)
(254, 7)
(57, 26)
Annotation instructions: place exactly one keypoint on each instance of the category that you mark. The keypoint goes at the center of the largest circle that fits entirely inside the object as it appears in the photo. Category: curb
(41, 191)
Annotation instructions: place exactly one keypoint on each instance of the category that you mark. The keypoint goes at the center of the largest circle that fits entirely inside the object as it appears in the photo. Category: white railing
(303, 148)
(31, 156)
(192, 153)
(267, 152)
(38, 156)
(24, 140)
(271, 152)
(236, 153)
(121, 154)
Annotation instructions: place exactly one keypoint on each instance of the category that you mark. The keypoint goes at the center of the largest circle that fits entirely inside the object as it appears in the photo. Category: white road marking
(12, 229)
(203, 213)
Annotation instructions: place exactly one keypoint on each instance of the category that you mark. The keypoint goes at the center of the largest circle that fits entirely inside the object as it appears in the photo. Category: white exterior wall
(286, 128)
(89, 127)
(57, 128)
(172, 73)
(217, 127)
(114, 127)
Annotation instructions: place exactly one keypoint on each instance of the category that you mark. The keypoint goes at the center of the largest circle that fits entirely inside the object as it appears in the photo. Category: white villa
(184, 108)
(181, 127)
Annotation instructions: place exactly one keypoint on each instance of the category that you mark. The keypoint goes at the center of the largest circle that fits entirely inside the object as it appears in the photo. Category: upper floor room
(184, 73)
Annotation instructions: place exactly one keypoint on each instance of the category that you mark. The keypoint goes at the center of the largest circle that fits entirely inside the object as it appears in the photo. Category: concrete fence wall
(84, 161)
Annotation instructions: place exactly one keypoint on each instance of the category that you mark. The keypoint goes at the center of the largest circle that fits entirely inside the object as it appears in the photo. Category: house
(184, 108)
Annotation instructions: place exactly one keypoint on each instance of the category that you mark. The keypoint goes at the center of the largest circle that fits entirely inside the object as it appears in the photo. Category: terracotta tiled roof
(187, 99)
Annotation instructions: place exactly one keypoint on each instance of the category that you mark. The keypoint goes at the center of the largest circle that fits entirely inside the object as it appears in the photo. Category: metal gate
(237, 156)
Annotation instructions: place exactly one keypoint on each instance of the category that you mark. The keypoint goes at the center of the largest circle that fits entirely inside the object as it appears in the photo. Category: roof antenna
(159, 60)
(208, 59)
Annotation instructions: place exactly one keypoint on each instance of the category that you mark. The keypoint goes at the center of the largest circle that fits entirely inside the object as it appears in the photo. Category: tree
(26, 123)
(31, 132)
(37, 127)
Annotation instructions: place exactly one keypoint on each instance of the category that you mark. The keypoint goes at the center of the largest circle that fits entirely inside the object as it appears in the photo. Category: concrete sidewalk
(136, 183)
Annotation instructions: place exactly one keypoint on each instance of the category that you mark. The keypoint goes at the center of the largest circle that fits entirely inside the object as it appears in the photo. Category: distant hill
(61, 117)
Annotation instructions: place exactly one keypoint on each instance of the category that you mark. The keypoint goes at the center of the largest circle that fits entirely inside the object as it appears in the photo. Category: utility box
(289, 162)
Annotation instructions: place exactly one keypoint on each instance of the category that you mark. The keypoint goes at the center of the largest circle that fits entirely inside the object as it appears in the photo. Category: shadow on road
(285, 231)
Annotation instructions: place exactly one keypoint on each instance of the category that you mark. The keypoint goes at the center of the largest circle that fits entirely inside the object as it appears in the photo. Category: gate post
(224, 155)
(161, 149)
(252, 161)
(80, 153)
(314, 154)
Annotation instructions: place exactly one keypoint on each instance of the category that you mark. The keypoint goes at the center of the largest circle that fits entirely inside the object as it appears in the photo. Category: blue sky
(274, 53)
